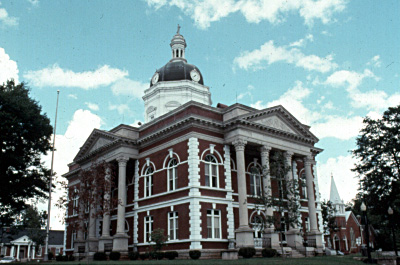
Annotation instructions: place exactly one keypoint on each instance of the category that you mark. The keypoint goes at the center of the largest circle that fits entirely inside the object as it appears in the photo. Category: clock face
(195, 75)
(154, 79)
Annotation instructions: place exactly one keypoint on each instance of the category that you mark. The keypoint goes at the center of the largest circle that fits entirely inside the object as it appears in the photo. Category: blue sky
(329, 62)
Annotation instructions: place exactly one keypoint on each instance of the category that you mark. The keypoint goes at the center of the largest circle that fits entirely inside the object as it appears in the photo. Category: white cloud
(302, 42)
(73, 96)
(8, 67)
(340, 167)
(6, 19)
(92, 106)
(67, 146)
(55, 76)
(270, 53)
(127, 87)
(34, 2)
(122, 108)
(343, 128)
(292, 100)
(350, 78)
(204, 12)
(375, 61)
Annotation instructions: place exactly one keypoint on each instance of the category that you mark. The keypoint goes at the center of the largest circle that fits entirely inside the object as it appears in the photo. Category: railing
(312, 243)
(267, 242)
(108, 247)
(258, 242)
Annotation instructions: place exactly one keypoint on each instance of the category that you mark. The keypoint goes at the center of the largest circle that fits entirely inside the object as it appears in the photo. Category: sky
(328, 62)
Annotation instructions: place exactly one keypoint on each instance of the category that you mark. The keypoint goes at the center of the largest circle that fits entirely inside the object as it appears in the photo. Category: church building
(194, 170)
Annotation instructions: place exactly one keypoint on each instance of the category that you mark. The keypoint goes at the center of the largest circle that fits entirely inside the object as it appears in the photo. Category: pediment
(275, 122)
(95, 141)
(100, 142)
(22, 239)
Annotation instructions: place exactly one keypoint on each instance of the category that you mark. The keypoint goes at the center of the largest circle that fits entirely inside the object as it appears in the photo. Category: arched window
(75, 202)
(148, 182)
(172, 174)
(255, 181)
(352, 238)
(211, 171)
(257, 225)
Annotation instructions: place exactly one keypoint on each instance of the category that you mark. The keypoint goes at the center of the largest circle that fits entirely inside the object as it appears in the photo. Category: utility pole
(46, 251)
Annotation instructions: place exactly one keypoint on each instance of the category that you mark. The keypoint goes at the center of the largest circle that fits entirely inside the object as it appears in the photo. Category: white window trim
(174, 220)
(148, 178)
(75, 203)
(209, 164)
(256, 191)
(148, 220)
(174, 177)
(212, 215)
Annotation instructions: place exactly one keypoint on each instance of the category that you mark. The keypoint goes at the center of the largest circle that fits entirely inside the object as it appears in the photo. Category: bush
(144, 256)
(50, 255)
(247, 252)
(115, 255)
(269, 252)
(171, 255)
(194, 254)
(65, 258)
(133, 255)
(157, 255)
(59, 257)
(100, 256)
(71, 258)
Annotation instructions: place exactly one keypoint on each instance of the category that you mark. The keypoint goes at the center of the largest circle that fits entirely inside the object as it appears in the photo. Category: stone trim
(228, 186)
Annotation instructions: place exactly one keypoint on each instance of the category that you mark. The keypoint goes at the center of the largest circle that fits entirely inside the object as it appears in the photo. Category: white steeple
(335, 199)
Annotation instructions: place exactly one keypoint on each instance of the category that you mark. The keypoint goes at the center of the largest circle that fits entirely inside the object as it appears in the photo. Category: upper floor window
(172, 174)
(211, 171)
(148, 182)
(75, 202)
(255, 181)
(213, 223)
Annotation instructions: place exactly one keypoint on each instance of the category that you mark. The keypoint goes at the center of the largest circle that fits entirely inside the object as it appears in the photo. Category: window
(255, 181)
(211, 171)
(75, 202)
(148, 228)
(213, 224)
(173, 225)
(257, 224)
(172, 174)
(306, 224)
(57, 251)
(352, 238)
(73, 237)
(148, 182)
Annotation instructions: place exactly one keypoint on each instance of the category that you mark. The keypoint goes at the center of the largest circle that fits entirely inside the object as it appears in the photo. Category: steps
(296, 254)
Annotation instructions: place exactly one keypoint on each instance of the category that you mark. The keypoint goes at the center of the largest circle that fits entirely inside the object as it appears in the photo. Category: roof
(56, 237)
(177, 70)
(334, 196)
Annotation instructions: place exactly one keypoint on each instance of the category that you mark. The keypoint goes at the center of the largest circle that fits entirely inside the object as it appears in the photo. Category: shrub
(171, 255)
(194, 254)
(144, 256)
(59, 257)
(247, 252)
(50, 255)
(133, 255)
(115, 255)
(71, 258)
(269, 252)
(65, 258)
(157, 255)
(100, 256)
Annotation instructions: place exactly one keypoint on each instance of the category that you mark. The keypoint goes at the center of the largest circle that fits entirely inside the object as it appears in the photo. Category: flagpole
(46, 254)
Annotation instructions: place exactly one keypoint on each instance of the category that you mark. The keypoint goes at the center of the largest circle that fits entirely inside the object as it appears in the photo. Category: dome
(177, 70)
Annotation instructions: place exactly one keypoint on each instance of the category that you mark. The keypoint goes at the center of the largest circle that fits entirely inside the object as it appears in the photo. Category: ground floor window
(173, 225)
(213, 223)
(148, 228)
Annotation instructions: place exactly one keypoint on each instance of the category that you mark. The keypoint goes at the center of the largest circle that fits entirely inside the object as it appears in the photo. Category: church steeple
(335, 199)
(178, 45)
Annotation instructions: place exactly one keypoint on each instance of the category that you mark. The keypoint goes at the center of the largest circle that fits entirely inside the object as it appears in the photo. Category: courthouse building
(193, 169)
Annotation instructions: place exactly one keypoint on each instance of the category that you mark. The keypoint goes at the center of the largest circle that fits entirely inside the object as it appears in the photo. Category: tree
(32, 221)
(286, 202)
(24, 137)
(159, 239)
(378, 167)
(328, 216)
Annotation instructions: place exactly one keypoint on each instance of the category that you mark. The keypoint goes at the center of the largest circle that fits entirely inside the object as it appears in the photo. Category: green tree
(33, 221)
(378, 167)
(24, 137)
(328, 216)
(159, 239)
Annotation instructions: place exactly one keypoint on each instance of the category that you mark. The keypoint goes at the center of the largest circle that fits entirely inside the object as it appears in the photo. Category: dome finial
(179, 28)
(178, 45)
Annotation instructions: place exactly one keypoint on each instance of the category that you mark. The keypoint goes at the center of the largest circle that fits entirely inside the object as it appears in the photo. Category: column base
(104, 240)
(244, 237)
(294, 239)
(80, 245)
(92, 245)
(317, 236)
(120, 243)
(271, 239)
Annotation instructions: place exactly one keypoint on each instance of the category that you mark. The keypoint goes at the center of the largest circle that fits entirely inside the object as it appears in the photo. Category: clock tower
(175, 83)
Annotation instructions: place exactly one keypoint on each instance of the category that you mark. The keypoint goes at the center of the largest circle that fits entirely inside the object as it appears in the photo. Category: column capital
(308, 160)
(122, 160)
(239, 144)
(265, 149)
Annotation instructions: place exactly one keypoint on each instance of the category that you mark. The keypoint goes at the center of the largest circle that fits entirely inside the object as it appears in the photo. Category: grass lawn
(326, 260)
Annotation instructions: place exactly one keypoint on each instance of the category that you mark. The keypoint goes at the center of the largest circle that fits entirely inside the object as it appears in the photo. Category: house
(193, 170)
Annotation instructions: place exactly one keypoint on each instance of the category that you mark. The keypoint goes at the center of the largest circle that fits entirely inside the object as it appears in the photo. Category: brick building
(190, 170)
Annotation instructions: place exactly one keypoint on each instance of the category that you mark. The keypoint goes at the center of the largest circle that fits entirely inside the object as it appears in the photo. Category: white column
(18, 252)
(310, 193)
(122, 161)
(29, 251)
(266, 176)
(241, 180)
(33, 252)
(12, 251)
(289, 179)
